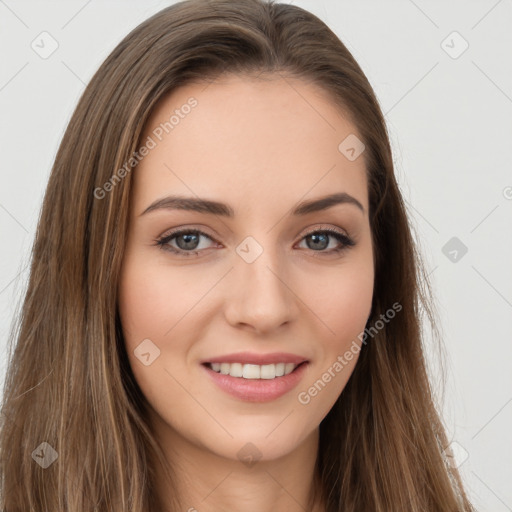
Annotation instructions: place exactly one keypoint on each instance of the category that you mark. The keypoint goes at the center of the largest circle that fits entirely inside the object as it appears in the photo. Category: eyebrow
(217, 208)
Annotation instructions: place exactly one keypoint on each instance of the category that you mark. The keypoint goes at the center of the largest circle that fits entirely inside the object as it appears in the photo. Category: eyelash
(163, 241)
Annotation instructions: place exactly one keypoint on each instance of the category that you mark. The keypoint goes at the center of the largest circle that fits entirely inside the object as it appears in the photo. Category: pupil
(187, 239)
(316, 237)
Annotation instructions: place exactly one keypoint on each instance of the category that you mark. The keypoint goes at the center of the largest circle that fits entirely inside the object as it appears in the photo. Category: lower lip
(257, 390)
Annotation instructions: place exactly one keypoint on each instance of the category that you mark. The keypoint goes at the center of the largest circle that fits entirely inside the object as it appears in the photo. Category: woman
(224, 303)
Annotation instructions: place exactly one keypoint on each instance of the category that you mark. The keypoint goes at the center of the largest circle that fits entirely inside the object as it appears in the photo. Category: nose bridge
(261, 297)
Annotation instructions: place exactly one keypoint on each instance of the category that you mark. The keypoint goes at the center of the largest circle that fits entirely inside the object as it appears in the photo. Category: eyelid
(204, 231)
(313, 228)
(186, 229)
(347, 240)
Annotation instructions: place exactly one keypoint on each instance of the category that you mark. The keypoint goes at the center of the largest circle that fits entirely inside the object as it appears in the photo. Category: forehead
(252, 140)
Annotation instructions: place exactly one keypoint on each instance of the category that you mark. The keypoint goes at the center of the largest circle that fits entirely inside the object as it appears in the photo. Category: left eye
(188, 241)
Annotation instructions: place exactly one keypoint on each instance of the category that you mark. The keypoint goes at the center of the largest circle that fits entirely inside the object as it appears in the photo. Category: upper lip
(259, 359)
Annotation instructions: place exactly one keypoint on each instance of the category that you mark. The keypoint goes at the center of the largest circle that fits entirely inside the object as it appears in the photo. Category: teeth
(236, 370)
(253, 371)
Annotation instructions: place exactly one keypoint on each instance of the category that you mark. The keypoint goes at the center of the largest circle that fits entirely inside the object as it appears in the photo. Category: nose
(260, 296)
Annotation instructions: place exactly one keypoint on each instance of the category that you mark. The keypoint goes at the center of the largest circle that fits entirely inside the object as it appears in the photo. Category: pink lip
(259, 359)
(256, 390)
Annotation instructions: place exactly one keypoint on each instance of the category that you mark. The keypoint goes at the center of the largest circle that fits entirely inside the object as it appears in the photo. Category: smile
(256, 383)
(253, 371)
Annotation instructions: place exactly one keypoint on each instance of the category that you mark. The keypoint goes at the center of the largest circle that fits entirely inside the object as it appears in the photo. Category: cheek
(343, 307)
(139, 303)
(152, 299)
(150, 305)
(159, 304)
(343, 304)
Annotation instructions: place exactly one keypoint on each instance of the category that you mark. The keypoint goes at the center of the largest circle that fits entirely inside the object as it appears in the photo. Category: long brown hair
(69, 383)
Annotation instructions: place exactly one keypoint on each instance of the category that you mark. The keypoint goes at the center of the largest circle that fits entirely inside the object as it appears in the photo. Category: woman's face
(263, 287)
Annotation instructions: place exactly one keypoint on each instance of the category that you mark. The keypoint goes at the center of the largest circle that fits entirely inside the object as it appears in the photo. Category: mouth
(254, 371)
(256, 383)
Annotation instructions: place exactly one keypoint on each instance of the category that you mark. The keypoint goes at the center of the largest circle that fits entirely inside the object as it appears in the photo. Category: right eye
(190, 239)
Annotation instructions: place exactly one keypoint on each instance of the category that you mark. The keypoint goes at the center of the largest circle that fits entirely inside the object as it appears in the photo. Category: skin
(261, 146)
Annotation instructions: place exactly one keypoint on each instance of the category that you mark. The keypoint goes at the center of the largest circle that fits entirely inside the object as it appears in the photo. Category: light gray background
(450, 121)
